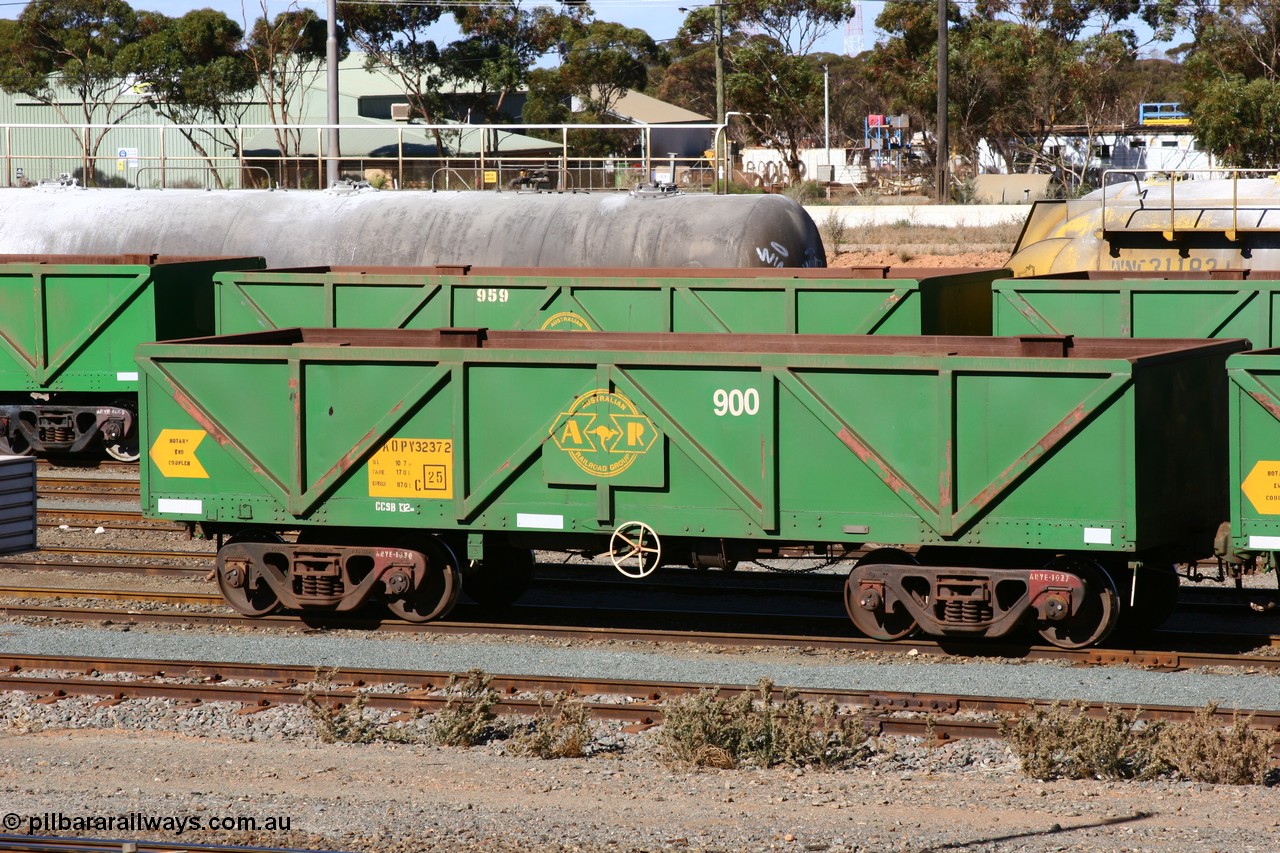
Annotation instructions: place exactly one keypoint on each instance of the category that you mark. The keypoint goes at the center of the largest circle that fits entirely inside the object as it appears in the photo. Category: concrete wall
(923, 214)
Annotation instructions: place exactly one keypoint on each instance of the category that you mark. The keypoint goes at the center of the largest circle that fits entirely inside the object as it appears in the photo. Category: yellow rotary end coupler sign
(1262, 487)
(174, 453)
(412, 468)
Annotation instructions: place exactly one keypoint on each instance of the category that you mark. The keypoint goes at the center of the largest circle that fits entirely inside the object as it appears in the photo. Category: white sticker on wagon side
(539, 521)
(1097, 536)
(127, 376)
(1264, 543)
(178, 506)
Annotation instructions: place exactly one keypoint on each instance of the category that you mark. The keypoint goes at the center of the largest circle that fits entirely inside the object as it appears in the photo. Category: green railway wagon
(69, 325)
(1134, 305)
(1030, 473)
(862, 302)
(1254, 412)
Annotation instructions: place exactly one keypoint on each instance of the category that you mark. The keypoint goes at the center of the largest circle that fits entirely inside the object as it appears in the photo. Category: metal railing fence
(403, 156)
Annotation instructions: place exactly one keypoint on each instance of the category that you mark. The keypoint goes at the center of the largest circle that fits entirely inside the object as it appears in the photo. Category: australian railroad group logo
(604, 433)
(566, 321)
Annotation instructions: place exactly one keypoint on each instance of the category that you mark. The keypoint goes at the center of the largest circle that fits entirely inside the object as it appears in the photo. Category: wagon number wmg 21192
(735, 401)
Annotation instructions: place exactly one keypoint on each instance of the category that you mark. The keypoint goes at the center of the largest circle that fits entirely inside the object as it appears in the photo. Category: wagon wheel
(233, 583)
(438, 592)
(500, 577)
(124, 450)
(1096, 617)
(867, 610)
(14, 445)
(635, 549)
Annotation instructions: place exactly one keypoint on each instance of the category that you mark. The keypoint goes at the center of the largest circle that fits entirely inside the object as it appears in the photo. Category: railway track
(639, 702)
(558, 623)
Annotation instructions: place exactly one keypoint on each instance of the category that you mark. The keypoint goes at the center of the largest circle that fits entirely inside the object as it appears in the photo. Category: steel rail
(634, 701)
(1160, 660)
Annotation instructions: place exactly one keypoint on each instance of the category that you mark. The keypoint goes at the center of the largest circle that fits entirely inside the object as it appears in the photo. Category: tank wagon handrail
(137, 184)
(448, 170)
(1173, 230)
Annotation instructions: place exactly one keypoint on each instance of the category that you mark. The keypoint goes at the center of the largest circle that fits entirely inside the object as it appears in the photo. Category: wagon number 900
(736, 401)
(492, 294)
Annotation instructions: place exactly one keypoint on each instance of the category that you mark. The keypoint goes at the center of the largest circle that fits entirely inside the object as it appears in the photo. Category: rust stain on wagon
(1050, 440)
(892, 480)
(944, 481)
(1267, 403)
(351, 458)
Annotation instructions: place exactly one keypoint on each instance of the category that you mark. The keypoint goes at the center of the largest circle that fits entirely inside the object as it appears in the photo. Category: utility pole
(943, 163)
(719, 63)
(331, 83)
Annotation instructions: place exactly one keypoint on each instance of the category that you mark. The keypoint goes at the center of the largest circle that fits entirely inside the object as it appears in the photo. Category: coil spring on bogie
(57, 435)
(326, 586)
(966, 612)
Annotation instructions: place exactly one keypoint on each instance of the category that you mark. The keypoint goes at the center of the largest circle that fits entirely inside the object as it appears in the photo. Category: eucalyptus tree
(288, 53)
(1017, 69)
(1233, 82)
(599, 62)
(196, 73)
(67, 54)
(769, 76)
(501, 42)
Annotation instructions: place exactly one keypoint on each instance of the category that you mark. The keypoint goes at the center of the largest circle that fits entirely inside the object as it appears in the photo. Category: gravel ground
(157, 760)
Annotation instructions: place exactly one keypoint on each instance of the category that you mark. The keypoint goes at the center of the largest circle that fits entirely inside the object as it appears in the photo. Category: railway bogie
(458, 445)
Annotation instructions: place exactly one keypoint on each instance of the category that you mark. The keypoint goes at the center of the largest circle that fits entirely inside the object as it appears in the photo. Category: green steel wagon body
(68, 329)
(820, 301)
(1240, 304)
(1254, 471)
(1028, 472)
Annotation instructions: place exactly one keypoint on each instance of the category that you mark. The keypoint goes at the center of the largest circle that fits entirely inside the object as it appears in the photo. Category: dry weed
(758, 729)
(1202, 750)
(467, 718)
(561, 729)
(1065, 743)
(339, 723)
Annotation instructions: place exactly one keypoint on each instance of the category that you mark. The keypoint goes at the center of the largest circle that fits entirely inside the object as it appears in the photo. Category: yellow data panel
(412, 468)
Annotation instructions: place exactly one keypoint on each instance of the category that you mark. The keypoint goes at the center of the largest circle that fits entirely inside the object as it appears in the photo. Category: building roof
(368, 137)
(639, 107)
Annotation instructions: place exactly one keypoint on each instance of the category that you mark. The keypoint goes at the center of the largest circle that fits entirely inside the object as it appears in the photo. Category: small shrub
(834, 232)
(964, 191)
(1066, 743)
(467, 718)
(756, 729)
(1202, 750)
(338, 723)
(803, 192)
(562, 729)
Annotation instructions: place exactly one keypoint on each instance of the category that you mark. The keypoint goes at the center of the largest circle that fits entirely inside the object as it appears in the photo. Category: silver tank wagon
(407, 228)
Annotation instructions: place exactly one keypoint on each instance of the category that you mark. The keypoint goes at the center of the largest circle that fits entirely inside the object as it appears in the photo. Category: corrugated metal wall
(17, 504)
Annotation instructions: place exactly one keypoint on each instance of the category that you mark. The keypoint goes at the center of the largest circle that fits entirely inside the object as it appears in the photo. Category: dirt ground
(895, 258)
